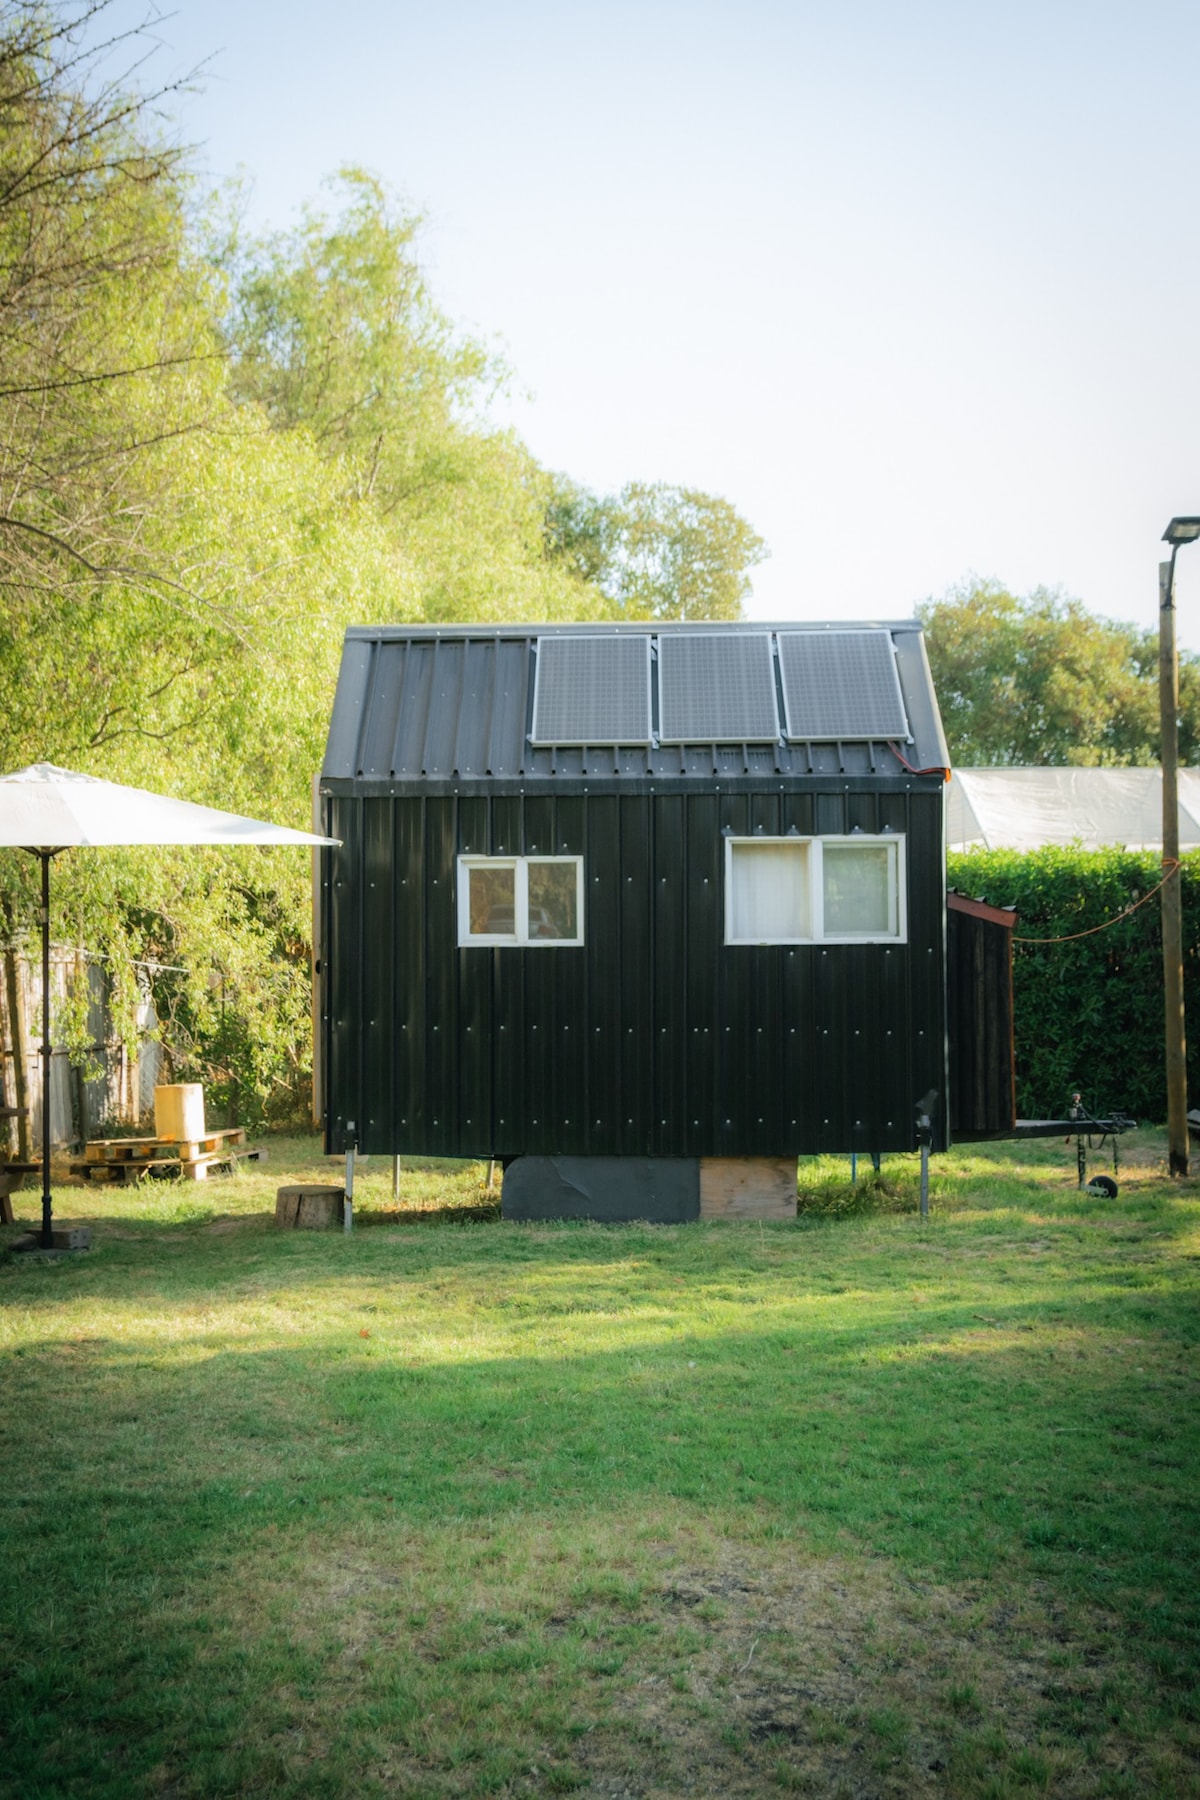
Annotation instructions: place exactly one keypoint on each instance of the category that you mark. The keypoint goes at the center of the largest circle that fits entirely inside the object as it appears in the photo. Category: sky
(914, 285)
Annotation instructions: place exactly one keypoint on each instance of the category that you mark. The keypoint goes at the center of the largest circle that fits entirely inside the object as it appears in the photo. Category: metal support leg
(395, 1181)
(348, 1210)
(926, 1110)
(47, 1223)
(1075, 1111)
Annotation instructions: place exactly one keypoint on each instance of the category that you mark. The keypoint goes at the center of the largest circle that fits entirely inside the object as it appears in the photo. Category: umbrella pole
(47, 1227)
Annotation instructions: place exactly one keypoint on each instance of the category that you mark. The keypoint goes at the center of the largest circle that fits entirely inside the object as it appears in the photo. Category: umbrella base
(66, 1240)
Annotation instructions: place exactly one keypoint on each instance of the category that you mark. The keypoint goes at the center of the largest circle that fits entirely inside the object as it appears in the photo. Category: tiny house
(630, 906)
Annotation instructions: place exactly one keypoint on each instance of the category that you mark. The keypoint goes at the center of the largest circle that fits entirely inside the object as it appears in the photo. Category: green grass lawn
(860, 1506)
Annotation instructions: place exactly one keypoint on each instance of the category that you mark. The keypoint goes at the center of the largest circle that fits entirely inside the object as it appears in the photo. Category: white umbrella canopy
(45, 805)
(45, 810)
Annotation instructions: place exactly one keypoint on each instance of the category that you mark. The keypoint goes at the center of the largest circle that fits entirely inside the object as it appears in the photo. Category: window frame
(893, 841)
(518, 938)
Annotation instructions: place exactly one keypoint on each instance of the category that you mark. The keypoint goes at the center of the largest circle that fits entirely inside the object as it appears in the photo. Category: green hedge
(1089, 1012)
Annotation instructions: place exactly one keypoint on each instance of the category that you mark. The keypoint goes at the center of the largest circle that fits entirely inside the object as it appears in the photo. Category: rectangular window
(534, 900)
(860, 898)
(814, 890)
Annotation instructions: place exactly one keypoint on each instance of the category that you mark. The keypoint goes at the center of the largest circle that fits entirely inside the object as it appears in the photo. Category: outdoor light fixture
(1179, 531)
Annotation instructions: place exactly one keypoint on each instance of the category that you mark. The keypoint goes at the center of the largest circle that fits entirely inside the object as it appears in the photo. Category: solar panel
(592, 690)
(841, 684)
(716, 688)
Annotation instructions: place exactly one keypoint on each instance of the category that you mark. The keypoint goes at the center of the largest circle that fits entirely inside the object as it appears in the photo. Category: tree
(175, 573)
(656, 551)
(1039, 680)
(210, 464)
(332, 331)
(103, 332)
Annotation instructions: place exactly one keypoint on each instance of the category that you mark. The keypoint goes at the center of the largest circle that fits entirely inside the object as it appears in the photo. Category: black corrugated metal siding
(654, 1037)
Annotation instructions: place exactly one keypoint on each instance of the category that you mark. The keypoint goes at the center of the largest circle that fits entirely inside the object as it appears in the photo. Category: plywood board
(747, 1187)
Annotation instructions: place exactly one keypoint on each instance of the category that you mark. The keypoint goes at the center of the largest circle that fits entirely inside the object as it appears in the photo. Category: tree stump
(310, 1208)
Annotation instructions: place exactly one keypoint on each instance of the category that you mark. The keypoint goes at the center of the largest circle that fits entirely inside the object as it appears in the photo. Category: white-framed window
(827, 890)
(528, 900)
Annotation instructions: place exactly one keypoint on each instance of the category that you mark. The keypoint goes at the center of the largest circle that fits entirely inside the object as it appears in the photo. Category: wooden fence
(108, 1088)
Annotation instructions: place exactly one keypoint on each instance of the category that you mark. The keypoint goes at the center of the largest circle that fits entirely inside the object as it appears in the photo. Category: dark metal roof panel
(929, 749)
(443, 702)
(349, 703)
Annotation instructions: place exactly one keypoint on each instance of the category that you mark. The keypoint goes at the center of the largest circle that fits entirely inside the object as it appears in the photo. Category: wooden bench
(12, 1172)
(11, 1176)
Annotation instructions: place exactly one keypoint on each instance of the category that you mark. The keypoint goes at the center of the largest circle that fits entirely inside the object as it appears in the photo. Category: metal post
(47, 1225)
(348, 1209)
(395, 1181)
(1172, 909)
(1075, 1111)
(926, 1108)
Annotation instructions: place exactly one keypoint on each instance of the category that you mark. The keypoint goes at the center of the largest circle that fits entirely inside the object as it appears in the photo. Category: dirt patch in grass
(693, 1664)
(835, 1678)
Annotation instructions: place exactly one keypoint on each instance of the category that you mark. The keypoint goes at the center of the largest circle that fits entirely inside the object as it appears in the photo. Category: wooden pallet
(187, 1159)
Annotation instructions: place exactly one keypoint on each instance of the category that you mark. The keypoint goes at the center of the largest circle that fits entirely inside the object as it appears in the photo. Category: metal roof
(427, 703)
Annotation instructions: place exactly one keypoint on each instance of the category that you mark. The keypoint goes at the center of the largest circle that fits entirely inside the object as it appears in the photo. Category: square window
(769, 891)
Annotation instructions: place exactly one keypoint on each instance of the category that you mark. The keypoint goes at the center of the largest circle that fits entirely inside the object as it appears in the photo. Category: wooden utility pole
(1172, 907)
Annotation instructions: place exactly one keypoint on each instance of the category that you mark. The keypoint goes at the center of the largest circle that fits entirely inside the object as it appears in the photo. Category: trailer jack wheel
(1103, 1187)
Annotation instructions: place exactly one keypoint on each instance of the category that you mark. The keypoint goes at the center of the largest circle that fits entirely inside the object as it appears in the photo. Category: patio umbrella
(46, 810)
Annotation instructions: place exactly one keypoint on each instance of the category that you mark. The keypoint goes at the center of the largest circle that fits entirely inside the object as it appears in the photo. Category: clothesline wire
(1091, 931)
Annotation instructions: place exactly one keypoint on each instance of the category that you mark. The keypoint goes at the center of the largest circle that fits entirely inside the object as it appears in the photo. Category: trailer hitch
(1087, 1127)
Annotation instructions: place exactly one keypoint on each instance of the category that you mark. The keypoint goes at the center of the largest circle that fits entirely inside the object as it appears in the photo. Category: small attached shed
(629, 903)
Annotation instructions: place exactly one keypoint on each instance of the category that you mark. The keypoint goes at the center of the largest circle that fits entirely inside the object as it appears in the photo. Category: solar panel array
(841, 684)
(716, 688)
(592, 690)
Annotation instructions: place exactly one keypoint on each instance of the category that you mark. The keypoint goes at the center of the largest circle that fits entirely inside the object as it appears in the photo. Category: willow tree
(333, 331)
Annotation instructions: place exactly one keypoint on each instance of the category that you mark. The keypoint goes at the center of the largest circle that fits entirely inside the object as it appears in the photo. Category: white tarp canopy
(1024, 809)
